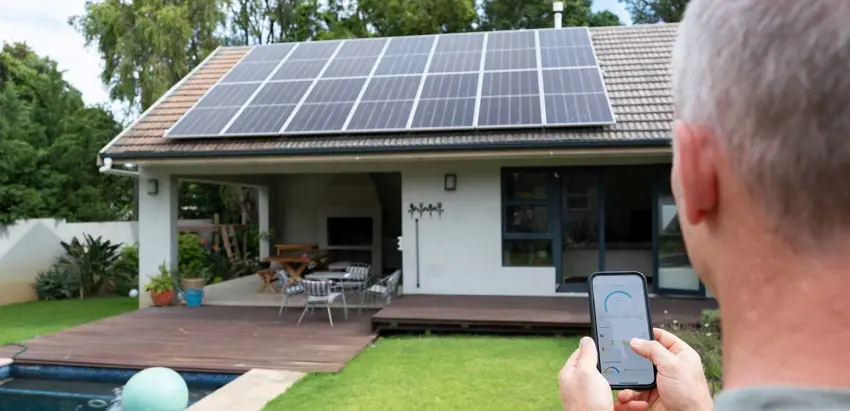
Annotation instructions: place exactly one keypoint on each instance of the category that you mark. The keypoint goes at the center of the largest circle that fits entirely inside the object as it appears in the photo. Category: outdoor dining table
(295, 262)
(328, 276)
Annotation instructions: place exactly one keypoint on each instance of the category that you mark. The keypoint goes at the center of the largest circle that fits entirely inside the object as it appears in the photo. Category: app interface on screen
(620, 316)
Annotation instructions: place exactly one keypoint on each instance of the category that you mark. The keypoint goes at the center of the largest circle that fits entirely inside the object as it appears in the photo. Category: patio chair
(357, 278)
(385, 288)
(293, 289)
(319, 294)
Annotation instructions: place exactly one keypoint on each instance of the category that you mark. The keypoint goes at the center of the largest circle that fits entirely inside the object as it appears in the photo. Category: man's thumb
(587, 353)
(653, 351)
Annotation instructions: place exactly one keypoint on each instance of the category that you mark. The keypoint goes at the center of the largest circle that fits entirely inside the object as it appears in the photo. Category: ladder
(230, 242)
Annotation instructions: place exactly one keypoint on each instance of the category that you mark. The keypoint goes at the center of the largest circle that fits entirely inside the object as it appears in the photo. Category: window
(675, 274)
(527, 227)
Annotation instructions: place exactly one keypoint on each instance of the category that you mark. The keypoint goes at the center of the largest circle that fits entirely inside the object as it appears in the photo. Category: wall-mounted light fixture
(450, 182)
(153, 186)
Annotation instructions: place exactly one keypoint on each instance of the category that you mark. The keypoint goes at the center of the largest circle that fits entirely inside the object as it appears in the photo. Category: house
(528, 211)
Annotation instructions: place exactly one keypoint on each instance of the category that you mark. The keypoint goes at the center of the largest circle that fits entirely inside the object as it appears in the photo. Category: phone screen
(620, 310)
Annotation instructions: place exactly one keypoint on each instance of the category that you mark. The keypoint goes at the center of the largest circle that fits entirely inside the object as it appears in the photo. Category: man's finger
(669, 341)
(632, 406)
(587, 357)
(632, 395)
(654, 351)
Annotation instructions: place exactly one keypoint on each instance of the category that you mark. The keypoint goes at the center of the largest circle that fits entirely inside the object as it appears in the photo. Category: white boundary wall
(30, 246)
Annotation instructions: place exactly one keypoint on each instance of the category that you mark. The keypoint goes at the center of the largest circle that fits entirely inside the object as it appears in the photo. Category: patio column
(157, 226)
(263, 219)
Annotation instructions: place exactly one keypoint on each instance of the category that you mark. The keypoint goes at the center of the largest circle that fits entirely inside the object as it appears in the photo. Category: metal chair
(385, 288)
(293, 289)
(320, 294)
(357, 278)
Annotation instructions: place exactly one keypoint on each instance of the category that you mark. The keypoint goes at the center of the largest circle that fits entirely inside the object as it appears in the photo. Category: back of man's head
(763, 87)
(772, 80)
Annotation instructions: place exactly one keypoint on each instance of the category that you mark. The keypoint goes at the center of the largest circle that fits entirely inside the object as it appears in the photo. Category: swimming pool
(63, 388)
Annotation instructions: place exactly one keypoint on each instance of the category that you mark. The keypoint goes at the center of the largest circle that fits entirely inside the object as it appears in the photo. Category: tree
(535, 14)
(48, 140)
(656, 11)
(603, 18)
(147, 46)
(411, 17)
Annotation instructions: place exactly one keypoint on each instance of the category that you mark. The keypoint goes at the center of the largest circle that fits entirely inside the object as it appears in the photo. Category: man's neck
(790, 327)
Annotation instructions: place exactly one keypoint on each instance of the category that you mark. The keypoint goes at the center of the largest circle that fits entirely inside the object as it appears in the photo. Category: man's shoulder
(783, 398)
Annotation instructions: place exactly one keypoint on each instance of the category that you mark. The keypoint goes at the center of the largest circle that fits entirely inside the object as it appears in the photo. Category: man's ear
(696, 170)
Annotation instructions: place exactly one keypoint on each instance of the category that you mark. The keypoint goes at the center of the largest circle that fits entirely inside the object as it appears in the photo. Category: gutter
(106, 168)
(446, 149)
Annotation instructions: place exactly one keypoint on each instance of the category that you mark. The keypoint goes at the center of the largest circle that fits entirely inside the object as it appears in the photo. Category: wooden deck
(556, 315)
(211, 339)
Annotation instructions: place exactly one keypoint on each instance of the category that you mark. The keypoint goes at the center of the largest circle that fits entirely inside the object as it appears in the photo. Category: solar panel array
(528, 78)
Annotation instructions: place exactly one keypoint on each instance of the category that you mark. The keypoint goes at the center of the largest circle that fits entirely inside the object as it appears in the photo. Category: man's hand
(680, 384)
(583, 388)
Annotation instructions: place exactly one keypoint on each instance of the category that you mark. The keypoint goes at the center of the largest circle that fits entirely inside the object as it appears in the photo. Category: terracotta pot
(162, 299)
(193, 283)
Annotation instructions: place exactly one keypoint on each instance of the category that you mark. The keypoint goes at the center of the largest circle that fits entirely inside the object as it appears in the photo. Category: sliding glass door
(675, 275)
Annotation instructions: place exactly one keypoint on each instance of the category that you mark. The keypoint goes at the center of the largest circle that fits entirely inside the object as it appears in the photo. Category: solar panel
(299, 69)
(397, 65)
(249, 72)
(320, 117)
(525, 78)
(261, 119)
(273, 53)
(232, 95)
(203, 122)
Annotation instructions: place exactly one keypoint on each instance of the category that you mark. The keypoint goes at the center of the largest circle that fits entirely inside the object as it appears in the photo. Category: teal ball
(155, 389)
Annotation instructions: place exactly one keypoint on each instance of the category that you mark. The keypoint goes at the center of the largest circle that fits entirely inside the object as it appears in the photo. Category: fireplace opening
(350, 231)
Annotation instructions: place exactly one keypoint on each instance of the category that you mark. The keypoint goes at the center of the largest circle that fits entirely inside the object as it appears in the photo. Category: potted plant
(161, 287)
(193, 275)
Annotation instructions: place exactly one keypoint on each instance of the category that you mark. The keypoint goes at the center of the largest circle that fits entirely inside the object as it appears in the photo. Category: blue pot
(193, 297)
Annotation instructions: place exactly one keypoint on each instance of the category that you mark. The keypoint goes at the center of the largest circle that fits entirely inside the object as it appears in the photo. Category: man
(761, 162)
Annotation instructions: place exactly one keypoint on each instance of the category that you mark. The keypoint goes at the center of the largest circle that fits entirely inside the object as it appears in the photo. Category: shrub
(218, 267)
(127, 269)
(705, 340)
(711, 320)
(91, 260)
(57, 283)
(190, 253)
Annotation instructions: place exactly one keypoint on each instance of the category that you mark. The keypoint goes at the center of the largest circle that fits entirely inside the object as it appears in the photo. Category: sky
(43, 24)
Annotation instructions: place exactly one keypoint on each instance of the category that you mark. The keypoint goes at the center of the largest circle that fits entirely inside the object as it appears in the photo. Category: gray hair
(772, 80)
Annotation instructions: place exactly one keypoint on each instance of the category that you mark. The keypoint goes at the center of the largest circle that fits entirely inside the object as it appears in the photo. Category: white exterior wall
(461, 252)
(157, 227)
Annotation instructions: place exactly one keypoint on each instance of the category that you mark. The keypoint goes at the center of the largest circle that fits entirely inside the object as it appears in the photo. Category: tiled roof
(635, 61)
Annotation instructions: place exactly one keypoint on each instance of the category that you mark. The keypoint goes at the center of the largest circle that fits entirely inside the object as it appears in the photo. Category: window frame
(552, 204)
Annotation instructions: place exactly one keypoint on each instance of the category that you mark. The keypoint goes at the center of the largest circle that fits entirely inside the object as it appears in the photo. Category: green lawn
(22, 321)
(439, 374)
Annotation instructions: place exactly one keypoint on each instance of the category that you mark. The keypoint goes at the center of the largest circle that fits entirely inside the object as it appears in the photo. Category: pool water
(52, 388)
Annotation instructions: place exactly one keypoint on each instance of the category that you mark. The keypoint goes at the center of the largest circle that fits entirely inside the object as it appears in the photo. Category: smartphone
(619, 311)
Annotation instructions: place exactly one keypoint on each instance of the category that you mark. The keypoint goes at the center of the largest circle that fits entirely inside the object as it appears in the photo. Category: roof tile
(635, 61)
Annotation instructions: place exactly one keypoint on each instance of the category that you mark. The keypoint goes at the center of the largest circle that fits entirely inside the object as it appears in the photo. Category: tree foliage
(48, 142)
(655, 11)
(147, 46)
(535, 14)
